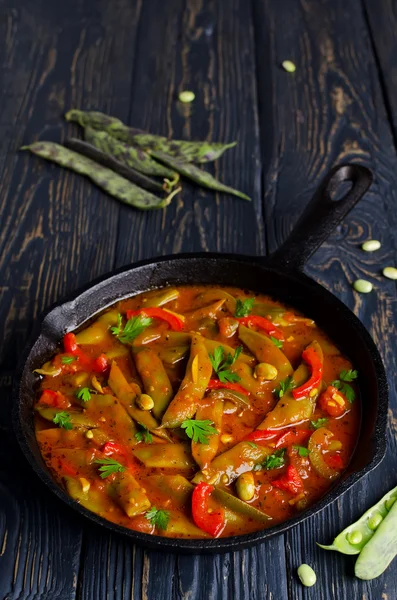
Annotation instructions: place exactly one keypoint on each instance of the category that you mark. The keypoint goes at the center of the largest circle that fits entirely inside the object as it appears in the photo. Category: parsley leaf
(244, 307)
(273, 461)
(132, 328)
(158, 518)
(302, 451)
(66, 360)
(84, 394)
(144, 435)
(109, 466)
(198, 431)
(63, 420)
(342, 385)
(319, 423)
(276, 342)
(221, 364)
(285, 386)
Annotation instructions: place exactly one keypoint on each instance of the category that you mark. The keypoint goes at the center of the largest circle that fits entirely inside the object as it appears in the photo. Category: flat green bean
(155, 380)
(165, 456)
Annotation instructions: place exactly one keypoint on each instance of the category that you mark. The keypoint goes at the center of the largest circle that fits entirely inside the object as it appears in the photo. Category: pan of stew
(204, 402)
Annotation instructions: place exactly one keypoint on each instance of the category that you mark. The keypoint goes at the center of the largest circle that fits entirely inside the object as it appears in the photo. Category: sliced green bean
(165, 456)
(116, 416)
(130, 156)
(366, 526)
(110, 182)
(196, 174)
(128, 494)
(92, 499)
(181, 526)
(175, 487)
(218, 294)
(163, 297)
(265, 350)
(173, 355)
(155, 380)
(115, 165)
(240, 507)
(204, 453)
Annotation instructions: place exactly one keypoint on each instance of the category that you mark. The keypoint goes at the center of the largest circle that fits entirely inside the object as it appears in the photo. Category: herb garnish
(131, 329)
(144, 435)
(302, 451)
(84, 394)
(273, 461)
(158, 518)
(198, 431)
(343, 384)
(285, 386)
(221, 364)
(66, 360)
(276, 342)
(109, 466)
(63, 420)
(319, 423)
(244, 307)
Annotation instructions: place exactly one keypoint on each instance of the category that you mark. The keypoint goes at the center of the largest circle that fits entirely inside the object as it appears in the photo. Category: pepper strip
(99, 365)
(314, 362)
(262, 323)
(290, 482)
(215, 384)
(212, 523)
(174, 321)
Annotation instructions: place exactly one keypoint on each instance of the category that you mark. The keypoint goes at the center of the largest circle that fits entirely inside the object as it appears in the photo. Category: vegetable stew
(197, 412)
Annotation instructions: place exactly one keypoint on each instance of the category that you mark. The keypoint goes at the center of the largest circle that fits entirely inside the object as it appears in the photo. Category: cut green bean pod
(196, 174)
(155, 380)
(115, 165)
(130, 156)
(109, 181)
(239, 506)
(165, 456)
(366, 526)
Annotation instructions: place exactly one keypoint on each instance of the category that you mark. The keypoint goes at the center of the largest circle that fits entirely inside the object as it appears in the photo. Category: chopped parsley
(343, 383)
(144, 435)
(285, 386)
(84, 394)
(158, 518)
(63, 420)
(302, 451)
(199, 431)
(109, 466)
(131, 329)
(252, 444)
(67, 360)
(221, 364)
(319, 423)
(244, 307)
(273, 461)
(276, 342)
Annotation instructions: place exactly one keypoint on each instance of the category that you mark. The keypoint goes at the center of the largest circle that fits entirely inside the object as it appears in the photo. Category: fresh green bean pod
(179, 525)
(155, 380)
(193, 386)
(98, 155)
(265, 350)
(97, 120)
(176, 487)
(92, 499)
(173, 354)
(239, 459)
(288, 410)
(116, 415)
(380, 550)
(366, 526)
(204, 453)
(109, 181)
(132, 157)
(239, 506)
(165, 456)
(196, 174)
(128, 494)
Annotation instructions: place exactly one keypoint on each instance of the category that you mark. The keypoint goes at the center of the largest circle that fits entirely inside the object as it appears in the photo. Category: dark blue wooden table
(130, 58)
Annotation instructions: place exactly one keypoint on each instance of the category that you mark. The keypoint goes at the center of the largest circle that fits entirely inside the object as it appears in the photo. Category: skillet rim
(231, 543)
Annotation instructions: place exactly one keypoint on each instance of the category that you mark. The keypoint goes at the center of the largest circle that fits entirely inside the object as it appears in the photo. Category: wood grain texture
(131, 59)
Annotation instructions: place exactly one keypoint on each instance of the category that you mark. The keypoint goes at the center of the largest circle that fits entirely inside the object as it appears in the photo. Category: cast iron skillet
(279, 275)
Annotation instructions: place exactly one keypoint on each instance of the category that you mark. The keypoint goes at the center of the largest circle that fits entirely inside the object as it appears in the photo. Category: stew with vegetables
(197, 412)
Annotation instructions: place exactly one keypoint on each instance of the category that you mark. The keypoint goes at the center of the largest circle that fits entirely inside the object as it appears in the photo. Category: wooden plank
(57, 232)
(331, 110)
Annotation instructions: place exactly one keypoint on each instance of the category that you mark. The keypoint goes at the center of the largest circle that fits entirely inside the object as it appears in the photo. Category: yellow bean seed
(85, 484)
(288, 66)
(307, 575)
(371, 245)
(145, 402)
(362, 286)
(186, 97)
(89, 434)
(245, 486)
(226, 438)
(265, 372)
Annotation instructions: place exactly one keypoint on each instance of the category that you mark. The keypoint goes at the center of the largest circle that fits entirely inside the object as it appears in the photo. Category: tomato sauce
(173, 412)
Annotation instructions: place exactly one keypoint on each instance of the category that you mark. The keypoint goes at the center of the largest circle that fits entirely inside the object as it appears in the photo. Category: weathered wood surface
(58, 232)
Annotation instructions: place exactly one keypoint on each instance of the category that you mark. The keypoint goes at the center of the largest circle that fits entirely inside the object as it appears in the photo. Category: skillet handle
(322, 215)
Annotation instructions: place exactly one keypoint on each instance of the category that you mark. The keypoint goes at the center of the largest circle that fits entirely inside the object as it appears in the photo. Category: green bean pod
(132, 157)
(243, 358)
(174, 487)
(116, 416)
(77, 418)
(92, 499)
(180, 526)
(97, 120)
(61, 438)
(196, 174)
(218, 294)
(173, 354)
(240, 507)
(112, 183)
(265, 350)
(204, 453)
(193, 386)
(155, 380)
(363, 529)
(165, 456)
(128, 494)
(163, 297)
(226, 467)
(288, 410)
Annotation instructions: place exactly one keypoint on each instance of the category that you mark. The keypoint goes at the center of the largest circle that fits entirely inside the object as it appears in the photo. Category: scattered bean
(186, 97)
(371, 245)
(390, 272)
(307, 575)
(288, 66)
(362, 286)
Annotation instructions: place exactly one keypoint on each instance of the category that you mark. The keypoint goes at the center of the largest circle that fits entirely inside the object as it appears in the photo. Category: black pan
(279, 275)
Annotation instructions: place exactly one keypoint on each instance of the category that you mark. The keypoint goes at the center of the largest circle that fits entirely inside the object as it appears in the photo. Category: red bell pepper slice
(262, 323)
(49, 397)
(261, 435)
(293, 436)
(313, 360)
(215, 384)
(334, 461)
(212, 523)
(158, 313)
(110, 448)
(327, 402)
(99, 365)
(290, 482)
